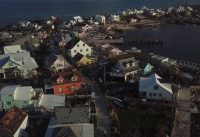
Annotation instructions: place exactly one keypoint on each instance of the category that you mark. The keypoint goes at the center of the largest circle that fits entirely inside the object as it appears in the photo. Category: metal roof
(9, 90)
(50, 101)
(23, 93)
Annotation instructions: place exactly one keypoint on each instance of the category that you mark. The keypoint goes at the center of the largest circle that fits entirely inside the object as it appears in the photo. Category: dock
(142, 42)
(183, 114)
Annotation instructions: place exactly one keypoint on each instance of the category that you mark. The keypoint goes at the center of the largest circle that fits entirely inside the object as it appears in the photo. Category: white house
(114, 18)
(78, 46)
(56, 62)
(17, 64)
(126, 68)
(27, 47)
(49, 101)
(22, 97)
(78, 19)
(13, 123)
(13, 49)
(100, 19)
(153, 88)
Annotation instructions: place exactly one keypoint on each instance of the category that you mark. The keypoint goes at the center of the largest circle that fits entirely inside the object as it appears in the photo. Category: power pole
(104, 76)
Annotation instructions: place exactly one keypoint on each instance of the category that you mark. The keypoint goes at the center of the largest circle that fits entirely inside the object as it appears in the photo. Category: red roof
(11, 121)
(69, 78)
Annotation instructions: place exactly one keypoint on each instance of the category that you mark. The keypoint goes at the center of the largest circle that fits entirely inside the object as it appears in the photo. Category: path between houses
(102, 114)
(183, 114)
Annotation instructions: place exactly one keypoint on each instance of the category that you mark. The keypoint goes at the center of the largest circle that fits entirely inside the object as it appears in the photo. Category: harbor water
(179, 41)
(12, 11)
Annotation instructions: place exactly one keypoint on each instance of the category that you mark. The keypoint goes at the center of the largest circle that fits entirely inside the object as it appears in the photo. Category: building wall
(80, 48)
(7, 101)
(23, 126)
(165, 95)
(85, 61)
(66, 88)
(59, 65)
(132, 73)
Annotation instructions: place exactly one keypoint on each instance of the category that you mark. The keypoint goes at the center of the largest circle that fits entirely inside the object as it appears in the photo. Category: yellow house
(81, 60)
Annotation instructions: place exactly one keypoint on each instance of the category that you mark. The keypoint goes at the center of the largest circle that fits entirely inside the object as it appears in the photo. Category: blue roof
(4, 60)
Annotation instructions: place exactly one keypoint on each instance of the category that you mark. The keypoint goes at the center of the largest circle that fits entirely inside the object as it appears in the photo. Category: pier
(183, 115)
(145, 42)
(190, 65)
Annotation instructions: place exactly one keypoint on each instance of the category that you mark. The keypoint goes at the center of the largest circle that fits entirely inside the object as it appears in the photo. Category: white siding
(165, 95)
(23, 126)
(80, 48)
(58, 64)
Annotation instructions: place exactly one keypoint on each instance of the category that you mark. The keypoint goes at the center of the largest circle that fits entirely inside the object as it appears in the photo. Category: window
(81, 50)
(8, 103)
(155, 87)
(83, 44)
(150, 94)
(60, 89)
(154, 94)
(160, 94)
(74, 51)
(10, 64)
(77, 45)
(87, 50)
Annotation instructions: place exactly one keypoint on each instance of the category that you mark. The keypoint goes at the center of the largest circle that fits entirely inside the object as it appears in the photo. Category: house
(77, 115)
(26, 47)
(115, 18)
(154, 88)
(163, 61)
(22, 97)
(69, 84)
(100, 19)
(72, 130)
(148, 69)
(81, 60)
(78, 19)
(13, 49)
(79, 130)
(56, 62)
(13, 123)
(78, 46)
(17, 65)
(49, 101)
(126, 68)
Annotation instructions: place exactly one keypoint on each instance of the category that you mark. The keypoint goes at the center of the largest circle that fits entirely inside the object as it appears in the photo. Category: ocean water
(179, 41)
(12, 11)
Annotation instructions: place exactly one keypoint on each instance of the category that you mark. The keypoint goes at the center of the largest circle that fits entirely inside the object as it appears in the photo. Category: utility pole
(104, 76)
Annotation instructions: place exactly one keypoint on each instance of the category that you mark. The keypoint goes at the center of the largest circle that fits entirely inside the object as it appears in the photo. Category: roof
(4, 60)
(74, 130)
(72, 115)
(127, 65)
(23, 93)
(152, 80)
(53, 57)
(77, 57)
(9, 90)
(72, 43)
(50, 101)
(28, 61)
(13, 49)
(11, 121)
(67, 77)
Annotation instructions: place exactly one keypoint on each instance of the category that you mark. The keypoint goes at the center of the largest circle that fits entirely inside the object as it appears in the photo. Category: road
(102, 114)
(183, 115)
